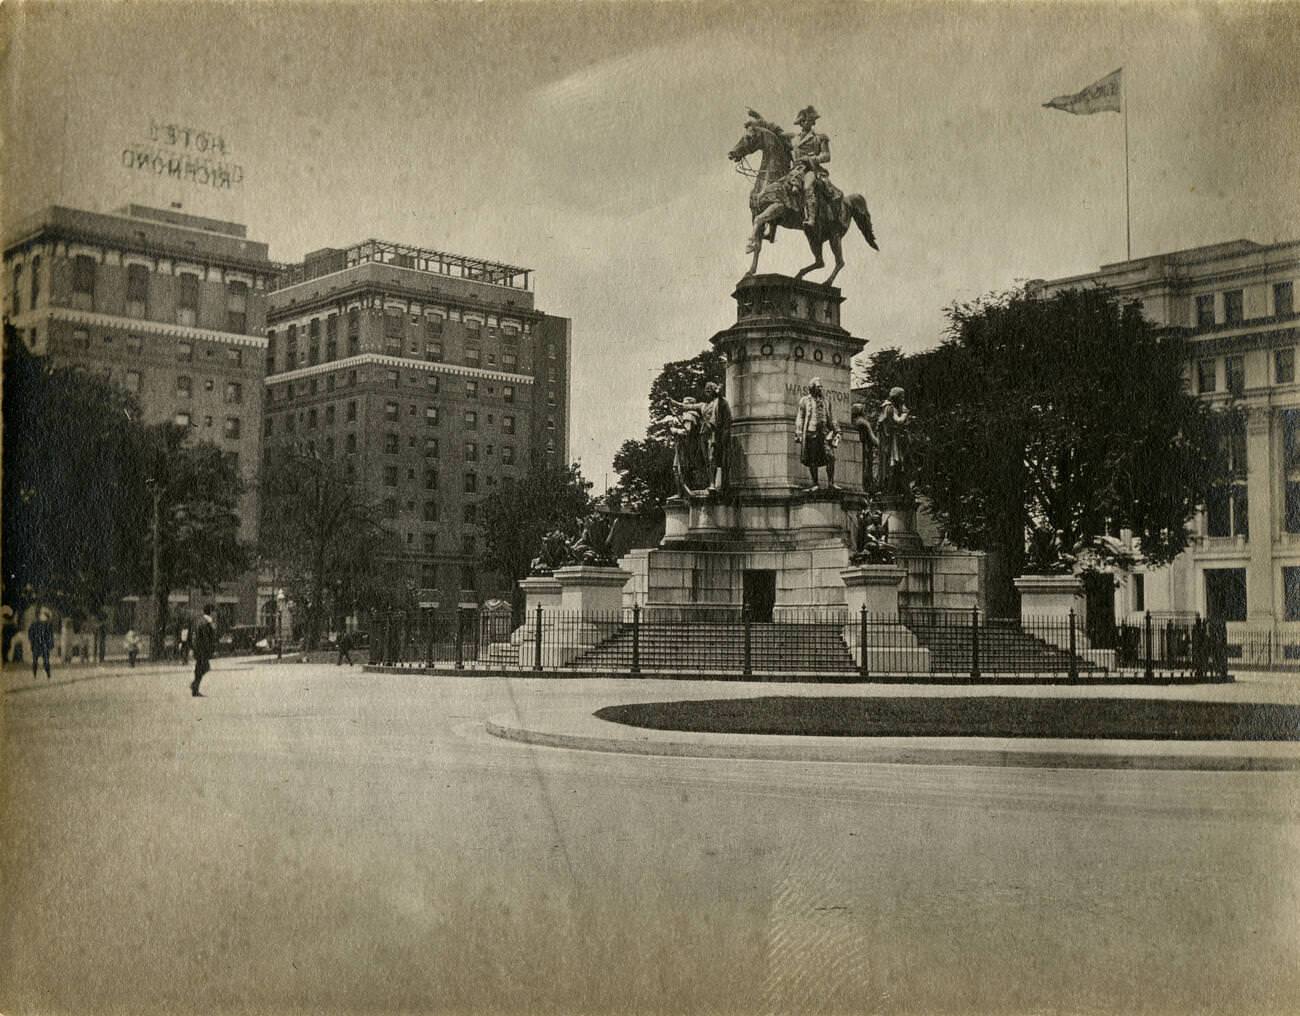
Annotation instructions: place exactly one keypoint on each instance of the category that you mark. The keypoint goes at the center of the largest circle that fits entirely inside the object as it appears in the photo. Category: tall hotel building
(168, 305)
(1236, 303)
(432, 379)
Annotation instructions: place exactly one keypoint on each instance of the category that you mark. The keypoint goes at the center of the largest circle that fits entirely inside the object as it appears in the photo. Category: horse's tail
(858, 208)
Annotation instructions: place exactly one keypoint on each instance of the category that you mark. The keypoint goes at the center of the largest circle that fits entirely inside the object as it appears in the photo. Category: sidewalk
(574, 726)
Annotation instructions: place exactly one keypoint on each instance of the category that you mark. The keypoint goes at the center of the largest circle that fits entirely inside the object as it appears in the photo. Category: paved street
(313, 840)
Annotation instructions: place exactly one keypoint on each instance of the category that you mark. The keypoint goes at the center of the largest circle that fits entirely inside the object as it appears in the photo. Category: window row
(1281, 365)
(230, 427)
(1234, 305)
(183, 349)
(233, 396)
(139, 303)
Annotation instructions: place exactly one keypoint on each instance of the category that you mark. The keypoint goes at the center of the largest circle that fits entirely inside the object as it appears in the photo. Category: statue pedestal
(583, 607)
(890, 647)
(1045, 605)
(588, 589)
(677, 520)
(540, 591)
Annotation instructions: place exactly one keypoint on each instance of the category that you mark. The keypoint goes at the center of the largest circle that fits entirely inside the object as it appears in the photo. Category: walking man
(345, 648)
(40, 636)
(203, 637)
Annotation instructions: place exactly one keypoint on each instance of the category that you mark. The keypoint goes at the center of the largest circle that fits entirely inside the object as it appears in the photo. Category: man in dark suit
(40, 636)
(203, 638)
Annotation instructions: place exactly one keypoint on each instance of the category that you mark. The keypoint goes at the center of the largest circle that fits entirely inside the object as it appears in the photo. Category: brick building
(170, 306)
(1235, 301)
(433, 378)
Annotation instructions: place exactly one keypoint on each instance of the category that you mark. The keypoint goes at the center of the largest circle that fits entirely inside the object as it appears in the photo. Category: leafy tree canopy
(518, 513)
(1068, 412)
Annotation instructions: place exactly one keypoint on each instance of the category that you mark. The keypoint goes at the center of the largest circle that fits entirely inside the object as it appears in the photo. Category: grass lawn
(1153, 719)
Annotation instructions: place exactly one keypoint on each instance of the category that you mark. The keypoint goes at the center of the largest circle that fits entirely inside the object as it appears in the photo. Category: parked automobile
(241, 640)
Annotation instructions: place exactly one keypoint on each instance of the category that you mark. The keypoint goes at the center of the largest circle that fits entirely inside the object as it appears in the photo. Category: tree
(70, 532)
(520, 512)
(324, 538)
(645, 467)
(194, 488)
(1068, 412)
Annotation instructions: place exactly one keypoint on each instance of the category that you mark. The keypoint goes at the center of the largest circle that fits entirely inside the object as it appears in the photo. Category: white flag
(1099, 97)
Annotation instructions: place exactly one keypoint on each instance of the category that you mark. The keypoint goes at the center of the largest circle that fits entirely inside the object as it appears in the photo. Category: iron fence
(808, 643)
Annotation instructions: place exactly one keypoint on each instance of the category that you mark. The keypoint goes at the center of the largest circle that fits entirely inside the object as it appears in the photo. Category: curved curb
(918, 751)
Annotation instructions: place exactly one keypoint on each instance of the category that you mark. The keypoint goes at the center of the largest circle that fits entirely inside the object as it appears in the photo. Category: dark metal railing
(827, 643)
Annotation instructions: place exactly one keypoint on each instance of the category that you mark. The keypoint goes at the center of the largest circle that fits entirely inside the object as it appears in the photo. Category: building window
(430, 479)
(1205, 310)
(234, 393)
(184, 387)
(1284, 365)
(471, 420)
(329, 416)
(83, 282)
(473, 356)
(1227, 509)
(231, 429)
(430, 447)
(467, 544)
(471, 389)
(391, 444)
(1283, 299)
(471, 451)
(1206, 375)
(1225, 594)
(392, 377)
(1139, 591)
(509, 361)
(431, 383)
(550, 352)
(550, 423)
(133, 381)
(390, 507)
(468, 579)
(390, 476)
(332, 337)
(350, 443)
(137, 291)
(391, 410)
(1291, 594)
(313, 342)
(16, 301)
(182, 419)
(469, 513)
(508, 424)
(311, 418)
(431, 416)
(291, 347)
(508, 393)
(352, 410)
(1234, 368)
(471, 483)
(430, 511)
(234, 357)
(1290, 420)
(36, 282)
(508, 454)
(237, 307)
(1232, 307)
(187, 300)
(430, 570)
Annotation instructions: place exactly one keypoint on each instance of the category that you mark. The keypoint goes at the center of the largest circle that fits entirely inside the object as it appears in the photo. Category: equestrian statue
(792, 188)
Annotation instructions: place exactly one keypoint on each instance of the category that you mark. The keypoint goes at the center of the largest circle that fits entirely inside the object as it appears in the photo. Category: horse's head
(749, 142)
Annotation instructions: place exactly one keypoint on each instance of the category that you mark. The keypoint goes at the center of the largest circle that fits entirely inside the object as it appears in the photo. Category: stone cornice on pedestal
(1050, 584)
(873, 575)
(591, 575)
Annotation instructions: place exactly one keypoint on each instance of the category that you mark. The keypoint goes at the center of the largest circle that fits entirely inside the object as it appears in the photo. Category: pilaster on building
(432, 379)
(1235, 303)
(168, 305)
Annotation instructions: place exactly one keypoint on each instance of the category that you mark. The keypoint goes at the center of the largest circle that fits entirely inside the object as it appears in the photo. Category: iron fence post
(1149, 670)
(537, 641)
(460, 639)
(749, 663)
(864, 667)
(385, 656)
(975, 643)
(1198, 648)
(1073, 662)
(636, 638)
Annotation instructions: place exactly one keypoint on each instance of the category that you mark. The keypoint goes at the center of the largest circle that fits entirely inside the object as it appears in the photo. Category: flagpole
(1128, 218)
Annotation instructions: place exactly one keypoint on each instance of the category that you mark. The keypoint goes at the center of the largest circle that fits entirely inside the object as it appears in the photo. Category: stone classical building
(1236, 302)
(170, 306)
(433, 378)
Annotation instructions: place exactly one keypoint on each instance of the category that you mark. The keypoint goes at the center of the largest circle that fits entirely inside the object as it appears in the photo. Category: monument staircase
(719, 647)
(1005, 646)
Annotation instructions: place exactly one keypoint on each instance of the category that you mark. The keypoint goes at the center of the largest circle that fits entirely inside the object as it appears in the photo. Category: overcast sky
(589, 142)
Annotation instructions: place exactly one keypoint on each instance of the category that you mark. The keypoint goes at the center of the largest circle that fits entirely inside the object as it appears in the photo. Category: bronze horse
(772, 205)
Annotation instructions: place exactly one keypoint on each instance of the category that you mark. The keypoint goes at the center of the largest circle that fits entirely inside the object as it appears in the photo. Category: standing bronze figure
(792, 189)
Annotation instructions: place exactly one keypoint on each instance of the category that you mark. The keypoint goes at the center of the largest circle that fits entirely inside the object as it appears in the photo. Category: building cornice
(278, 313)
(400, 363)
(149, 249)
(131, 324)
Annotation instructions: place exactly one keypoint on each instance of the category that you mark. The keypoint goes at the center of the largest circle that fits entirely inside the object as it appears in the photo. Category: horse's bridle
(743, 167)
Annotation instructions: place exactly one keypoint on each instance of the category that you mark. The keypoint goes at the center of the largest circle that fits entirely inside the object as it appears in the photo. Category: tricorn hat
(807, 113)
